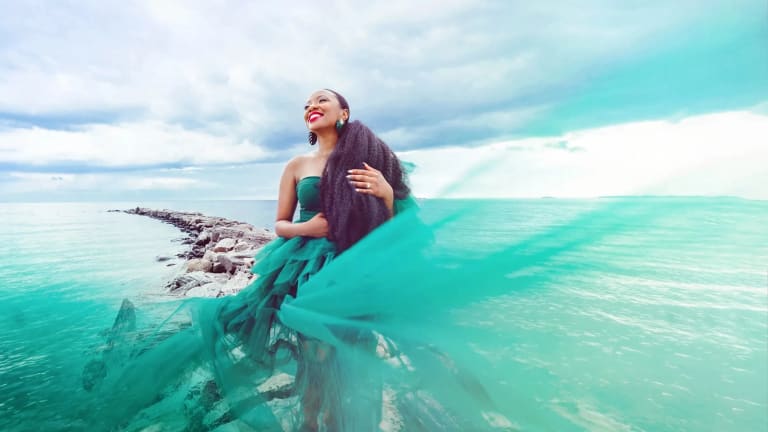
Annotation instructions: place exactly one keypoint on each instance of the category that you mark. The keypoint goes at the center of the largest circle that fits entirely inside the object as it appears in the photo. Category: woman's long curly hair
(352, 215)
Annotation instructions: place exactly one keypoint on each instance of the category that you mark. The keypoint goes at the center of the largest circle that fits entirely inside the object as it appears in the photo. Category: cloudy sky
(103, 100)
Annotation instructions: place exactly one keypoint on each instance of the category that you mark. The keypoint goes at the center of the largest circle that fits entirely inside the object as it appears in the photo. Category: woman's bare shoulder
(305, 165)
(296, 163)
(302, 158)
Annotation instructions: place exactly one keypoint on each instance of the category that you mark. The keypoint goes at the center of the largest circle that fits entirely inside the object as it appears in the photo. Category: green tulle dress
(401, 332)
(274, 357)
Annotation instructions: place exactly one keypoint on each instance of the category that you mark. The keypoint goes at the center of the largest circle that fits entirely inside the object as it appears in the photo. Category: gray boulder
(199, 265)
(225, 245)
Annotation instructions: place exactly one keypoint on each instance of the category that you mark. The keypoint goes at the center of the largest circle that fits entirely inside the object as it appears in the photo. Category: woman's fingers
(361, 177)
(364, 185)
(367, 181)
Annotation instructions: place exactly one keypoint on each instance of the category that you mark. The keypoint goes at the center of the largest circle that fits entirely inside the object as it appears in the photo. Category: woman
(346, 188)
(338, 159)
(326, 330)
(340, 204)
(350, 324)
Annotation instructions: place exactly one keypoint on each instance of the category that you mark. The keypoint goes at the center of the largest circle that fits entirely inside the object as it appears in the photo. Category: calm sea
(653, 334)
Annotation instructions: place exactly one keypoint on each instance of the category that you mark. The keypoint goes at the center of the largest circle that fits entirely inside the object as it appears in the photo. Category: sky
(164, 100)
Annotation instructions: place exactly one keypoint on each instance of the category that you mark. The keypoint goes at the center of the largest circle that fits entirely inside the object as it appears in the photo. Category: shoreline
(220, 254)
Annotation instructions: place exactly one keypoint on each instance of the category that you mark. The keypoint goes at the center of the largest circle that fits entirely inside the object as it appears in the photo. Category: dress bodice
(308, 193)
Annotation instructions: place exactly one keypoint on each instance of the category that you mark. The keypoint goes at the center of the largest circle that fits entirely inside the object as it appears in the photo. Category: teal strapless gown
(394, 334)
(401, 332)
(270, 358)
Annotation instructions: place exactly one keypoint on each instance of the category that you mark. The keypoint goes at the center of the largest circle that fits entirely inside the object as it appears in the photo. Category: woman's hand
(315, 227)
(372, 182)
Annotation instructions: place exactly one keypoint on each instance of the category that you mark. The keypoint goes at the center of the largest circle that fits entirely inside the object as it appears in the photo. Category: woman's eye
(306, 107)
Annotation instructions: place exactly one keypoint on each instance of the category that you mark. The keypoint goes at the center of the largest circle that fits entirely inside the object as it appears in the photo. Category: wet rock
(95, 370)
(211, 289)
(203, 239)
(199, 265)
(225, 245)
(188, 281)
(210, 256)
(241, 246)
(94, 373)
(221, 251)
(230, 263)
(236, 283)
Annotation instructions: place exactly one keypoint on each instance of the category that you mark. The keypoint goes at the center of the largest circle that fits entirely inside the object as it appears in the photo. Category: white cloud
(114, 183)
(251, 181)
(243, 70)
(149, 143)
(115, 84)
(716, 154)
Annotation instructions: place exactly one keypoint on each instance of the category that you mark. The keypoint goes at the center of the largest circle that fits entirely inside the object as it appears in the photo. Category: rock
(124, 322)
(188, 281)
(218, 267)
(95, 370)
(242, 246)
(211, 289)
(219, 257)
(203, 239)
(199, 265)
(236, 284)
(278, 386)
(93, 374)
(197, 252)
(224, 245)
(230, 263)
(210, 256)
(162, 258)
(245, 254)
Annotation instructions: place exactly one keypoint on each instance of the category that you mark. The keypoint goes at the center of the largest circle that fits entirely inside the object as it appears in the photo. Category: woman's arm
(286, 207)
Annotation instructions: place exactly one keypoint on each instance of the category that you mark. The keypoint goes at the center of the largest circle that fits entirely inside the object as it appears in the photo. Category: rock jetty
(221, 252)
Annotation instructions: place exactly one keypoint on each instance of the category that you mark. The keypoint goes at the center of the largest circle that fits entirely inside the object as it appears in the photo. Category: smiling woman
(348, 187)
(342, 198)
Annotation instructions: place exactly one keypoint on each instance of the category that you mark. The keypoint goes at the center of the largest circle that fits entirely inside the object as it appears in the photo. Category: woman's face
(322, 110)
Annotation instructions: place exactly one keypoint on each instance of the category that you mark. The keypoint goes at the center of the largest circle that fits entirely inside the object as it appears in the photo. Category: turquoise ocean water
(659, 327)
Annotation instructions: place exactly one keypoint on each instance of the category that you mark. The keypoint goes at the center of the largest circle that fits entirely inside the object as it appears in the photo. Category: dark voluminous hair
(352, 215)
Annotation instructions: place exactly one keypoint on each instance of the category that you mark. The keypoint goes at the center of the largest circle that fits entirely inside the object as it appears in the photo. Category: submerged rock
(94, 373)
(95, 370)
